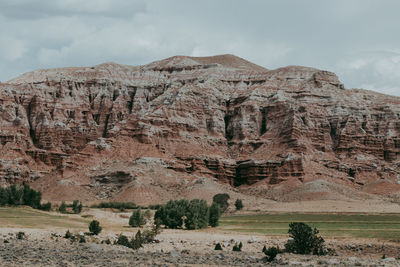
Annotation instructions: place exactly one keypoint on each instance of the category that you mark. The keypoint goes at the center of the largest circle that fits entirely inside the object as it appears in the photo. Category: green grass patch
(382, 226)
(25, 217)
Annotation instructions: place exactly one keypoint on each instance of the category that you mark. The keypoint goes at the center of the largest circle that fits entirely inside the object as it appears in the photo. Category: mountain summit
(195, 126)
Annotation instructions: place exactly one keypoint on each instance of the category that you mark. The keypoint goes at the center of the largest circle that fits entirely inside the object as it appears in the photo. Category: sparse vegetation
(137, 219)
(135, 243)
(239, 204)
(94, 227)
(222, 201)
(304, 240)
(147, 214)
(271, 253)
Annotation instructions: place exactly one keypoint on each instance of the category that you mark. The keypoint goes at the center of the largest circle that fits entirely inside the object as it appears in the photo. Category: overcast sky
(357, 39)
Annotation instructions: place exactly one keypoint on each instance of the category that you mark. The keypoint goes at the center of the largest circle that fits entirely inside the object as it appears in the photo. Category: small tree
(94, 227)
(305, 240)
(137, 242)
(215, 213)
(76, 206)
(137, 219)
(46, 206)
(238, 204)
(62, 208)
(222, 201)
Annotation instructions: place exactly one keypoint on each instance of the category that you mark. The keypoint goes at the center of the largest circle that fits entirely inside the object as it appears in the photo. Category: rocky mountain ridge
(188, 126)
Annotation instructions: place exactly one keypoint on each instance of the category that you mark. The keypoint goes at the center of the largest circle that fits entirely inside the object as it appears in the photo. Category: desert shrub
(222, 201)
(123, 241)
(305, 240)
(148, 236)
(76, 206)
(218, 246)
(271, 253)
(21, 235)
(46, 206)
(171, 214)
(197, 214)
(82, 239)
(94, 227)
(68, 234)
(62, 208)
(215, 213)
(137, 242)
(237, 247)
(137, 219)
(239, 204)
(134, 243)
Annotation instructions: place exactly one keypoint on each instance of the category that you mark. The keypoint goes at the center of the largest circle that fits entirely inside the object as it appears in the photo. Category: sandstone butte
(194, 126)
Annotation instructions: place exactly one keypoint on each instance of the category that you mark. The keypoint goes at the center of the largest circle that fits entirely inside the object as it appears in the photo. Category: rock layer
(98, 129)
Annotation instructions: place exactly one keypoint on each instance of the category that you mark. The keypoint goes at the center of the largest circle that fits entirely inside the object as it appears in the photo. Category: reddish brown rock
(165, 129)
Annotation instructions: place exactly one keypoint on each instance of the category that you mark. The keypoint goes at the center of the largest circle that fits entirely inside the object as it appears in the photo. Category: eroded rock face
(217, 117)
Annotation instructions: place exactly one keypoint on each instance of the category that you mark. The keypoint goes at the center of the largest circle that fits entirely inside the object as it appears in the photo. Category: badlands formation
(195, 126)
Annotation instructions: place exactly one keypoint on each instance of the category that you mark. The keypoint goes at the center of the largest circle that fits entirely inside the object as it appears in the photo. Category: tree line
(17, 194)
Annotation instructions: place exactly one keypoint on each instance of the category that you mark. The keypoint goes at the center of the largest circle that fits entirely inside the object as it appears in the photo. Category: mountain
(194, 126)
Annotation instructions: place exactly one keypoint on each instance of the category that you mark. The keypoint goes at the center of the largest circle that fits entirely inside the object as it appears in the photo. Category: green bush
(46, 206)
(76, 206)
(237, 247)
(94, 227)
(238, 204)
(68, 235)
(123, 241)
(62, 208)
(137, 219)
(21, 235)
(222, 201)
(215, 213)
(134, 243)
(218, 246)
(271, 253)
(171, 214)
(305, 240)
(197, 214)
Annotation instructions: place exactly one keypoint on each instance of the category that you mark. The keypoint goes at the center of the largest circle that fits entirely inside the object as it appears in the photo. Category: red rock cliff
(102, 130)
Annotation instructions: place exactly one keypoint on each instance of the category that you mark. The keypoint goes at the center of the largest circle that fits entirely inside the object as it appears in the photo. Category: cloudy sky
(357, 39)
